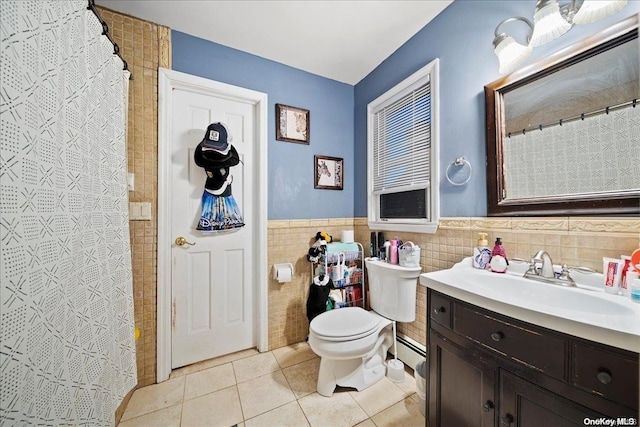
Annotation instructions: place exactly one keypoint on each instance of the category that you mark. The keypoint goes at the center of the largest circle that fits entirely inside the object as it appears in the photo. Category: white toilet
(351, 342)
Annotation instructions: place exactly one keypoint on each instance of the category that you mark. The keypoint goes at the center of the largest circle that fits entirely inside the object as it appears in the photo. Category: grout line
(240, 400)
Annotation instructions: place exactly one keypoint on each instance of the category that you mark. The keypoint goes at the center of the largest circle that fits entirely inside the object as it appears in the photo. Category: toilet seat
(344, 324)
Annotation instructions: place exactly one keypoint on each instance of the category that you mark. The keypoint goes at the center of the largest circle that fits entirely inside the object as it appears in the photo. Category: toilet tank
(392, 289)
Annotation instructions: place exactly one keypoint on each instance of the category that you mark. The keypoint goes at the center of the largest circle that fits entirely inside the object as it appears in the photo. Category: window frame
(429, 72)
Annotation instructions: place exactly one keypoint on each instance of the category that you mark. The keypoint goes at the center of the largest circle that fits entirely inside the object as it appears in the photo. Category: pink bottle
(498, 249)
(393, 252)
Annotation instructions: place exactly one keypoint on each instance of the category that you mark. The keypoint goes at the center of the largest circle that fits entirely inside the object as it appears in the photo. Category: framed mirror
(563, 134)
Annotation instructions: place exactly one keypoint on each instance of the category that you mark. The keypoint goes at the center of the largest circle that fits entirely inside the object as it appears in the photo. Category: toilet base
(358, 373)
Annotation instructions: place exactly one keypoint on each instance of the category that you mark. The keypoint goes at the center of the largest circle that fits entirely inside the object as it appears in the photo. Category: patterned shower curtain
(67, 353)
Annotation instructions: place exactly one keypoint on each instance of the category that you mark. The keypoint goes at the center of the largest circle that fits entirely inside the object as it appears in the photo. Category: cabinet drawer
(440, 309)
(606, 372)
(531, 346)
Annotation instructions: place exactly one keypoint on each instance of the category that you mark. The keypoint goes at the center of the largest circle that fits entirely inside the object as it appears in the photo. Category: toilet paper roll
(283, 272)
(347, 236)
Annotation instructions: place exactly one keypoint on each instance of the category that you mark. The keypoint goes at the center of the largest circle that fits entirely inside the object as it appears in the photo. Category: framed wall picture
(292, 124)
(329, 172)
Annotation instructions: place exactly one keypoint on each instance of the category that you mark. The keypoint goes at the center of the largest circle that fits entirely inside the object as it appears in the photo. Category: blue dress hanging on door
(216, 155)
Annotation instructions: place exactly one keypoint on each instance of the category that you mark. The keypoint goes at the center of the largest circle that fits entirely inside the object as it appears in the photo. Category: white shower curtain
(67, 353)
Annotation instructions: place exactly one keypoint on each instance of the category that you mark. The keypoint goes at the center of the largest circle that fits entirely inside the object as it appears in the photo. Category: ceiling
(340, 40)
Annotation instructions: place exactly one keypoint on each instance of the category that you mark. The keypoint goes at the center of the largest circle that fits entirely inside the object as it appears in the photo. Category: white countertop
(586, 313)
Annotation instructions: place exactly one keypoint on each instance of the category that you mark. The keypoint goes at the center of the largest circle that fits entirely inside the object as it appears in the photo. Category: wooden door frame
(168, 80)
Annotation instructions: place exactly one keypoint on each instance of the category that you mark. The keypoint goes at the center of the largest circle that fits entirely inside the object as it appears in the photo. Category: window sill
(426, 227)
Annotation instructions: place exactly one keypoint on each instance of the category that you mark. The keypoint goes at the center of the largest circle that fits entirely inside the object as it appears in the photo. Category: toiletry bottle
(373, 247)
(482, 253)
(387, 250)
(634, 290)
(393, 252)
(631, 276)
(498, 249)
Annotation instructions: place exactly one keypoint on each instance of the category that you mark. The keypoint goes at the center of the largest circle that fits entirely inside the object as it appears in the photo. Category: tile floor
(277, 388)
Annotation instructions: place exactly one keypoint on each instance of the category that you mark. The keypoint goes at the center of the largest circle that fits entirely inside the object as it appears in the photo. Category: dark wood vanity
(487, 369)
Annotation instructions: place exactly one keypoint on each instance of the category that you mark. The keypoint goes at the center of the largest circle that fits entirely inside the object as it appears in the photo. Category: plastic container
(420, 373)
(409, 255)
(482, 253)
(395, 370)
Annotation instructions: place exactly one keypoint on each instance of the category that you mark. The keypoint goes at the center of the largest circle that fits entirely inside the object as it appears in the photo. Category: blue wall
(290, 166)
(461, 36)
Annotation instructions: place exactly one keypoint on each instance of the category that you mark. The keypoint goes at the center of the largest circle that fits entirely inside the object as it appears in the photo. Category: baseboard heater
(410, 351)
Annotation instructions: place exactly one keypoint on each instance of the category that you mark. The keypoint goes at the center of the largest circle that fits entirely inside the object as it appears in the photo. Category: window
(402, 151)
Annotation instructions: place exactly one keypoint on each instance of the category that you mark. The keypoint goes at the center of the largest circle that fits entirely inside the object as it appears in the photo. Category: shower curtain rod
(582, 116)
(105, 32)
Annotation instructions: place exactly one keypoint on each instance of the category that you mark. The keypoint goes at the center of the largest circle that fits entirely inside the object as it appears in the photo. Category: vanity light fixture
(511, 53)
(550, 22)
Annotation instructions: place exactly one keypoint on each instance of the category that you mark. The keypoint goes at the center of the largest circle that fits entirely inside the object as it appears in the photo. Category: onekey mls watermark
(603, 421)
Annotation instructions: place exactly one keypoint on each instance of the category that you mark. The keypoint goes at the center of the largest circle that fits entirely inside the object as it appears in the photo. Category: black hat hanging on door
(216, 155)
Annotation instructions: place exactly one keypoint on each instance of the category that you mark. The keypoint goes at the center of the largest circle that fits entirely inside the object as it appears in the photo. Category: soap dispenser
(482, 253)
(498, 249)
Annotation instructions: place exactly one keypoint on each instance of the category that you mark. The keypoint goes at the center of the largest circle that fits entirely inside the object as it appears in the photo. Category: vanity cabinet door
(523, 404)
(461, 387)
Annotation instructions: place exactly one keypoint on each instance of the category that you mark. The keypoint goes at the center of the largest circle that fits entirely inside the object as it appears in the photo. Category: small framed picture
(329, 172)
(292, 124)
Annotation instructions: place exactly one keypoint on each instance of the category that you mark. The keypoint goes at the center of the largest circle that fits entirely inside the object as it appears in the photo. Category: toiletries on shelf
(482, 253)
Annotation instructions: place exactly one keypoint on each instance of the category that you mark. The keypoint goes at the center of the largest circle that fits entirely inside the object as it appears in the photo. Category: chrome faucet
(547, 265)
(546, 273)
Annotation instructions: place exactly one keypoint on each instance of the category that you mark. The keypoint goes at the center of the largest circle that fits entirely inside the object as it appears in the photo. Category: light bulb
(549, 23)
(511, 54)
(594, 10)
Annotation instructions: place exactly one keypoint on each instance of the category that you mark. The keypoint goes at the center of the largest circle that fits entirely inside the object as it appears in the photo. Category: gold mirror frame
(579, 204)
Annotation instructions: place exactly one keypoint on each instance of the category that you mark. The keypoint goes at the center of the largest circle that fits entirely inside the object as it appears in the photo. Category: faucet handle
(532, 267)
(565, 275)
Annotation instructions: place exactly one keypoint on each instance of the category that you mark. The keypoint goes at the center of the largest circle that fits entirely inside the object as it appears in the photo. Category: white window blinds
(402, 142)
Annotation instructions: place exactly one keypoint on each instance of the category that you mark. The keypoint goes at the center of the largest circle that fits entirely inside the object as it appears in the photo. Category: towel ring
(459, 161)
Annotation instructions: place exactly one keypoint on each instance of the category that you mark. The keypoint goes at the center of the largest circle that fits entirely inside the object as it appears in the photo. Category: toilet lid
(347, 323)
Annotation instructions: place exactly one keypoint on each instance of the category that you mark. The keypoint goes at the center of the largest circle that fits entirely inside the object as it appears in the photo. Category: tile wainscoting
(571, 240)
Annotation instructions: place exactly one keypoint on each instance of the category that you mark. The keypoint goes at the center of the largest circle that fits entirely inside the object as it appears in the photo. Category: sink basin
(528, 293)
(582, 311)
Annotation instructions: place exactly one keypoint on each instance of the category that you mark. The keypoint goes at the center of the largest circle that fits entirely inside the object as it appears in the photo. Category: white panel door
(212, 280)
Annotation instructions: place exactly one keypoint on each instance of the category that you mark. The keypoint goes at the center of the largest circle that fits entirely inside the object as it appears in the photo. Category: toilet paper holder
(282, 267)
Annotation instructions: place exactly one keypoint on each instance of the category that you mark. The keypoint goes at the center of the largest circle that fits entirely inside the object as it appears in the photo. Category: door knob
(181, 241)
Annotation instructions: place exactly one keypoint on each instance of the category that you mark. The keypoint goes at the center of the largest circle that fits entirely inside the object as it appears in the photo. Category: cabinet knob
(604, 376)
(497, 336)
(439, 310)
(507, 420)
(487, 406)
